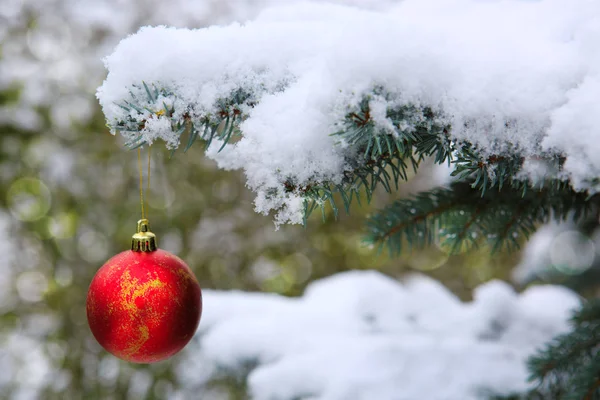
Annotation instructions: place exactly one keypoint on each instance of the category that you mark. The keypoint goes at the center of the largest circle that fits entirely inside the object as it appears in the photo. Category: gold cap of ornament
(143, 240)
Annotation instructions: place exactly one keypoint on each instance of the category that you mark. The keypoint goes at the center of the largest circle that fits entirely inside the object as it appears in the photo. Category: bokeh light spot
(28, 199)
(92, 247)
(297, 268)
(108, 370)
(447, 242)
(51, 40)
(278, 284)
(63, 225)
(572, 253)
(63, 276)
(31, 286)
(432, 258)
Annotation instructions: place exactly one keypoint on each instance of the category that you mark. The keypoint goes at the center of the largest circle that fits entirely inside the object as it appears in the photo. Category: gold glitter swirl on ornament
(131, 290)
(137, 344)
(187, 278)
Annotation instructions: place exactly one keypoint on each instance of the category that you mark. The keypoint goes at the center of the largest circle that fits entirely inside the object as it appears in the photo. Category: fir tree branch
(487, 172)
(379, 154)
(568, 368)
(461, 216)
(151, 103)
(589, 395)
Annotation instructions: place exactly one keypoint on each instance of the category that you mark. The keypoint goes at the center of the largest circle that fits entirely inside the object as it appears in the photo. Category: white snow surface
(361, 335)
(504, 73)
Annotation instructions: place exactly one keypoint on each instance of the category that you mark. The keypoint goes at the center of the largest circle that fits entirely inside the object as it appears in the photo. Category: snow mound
(361, 335)
(510, 74)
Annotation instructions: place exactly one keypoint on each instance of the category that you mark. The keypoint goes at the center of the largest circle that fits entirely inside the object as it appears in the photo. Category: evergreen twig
(460, 216)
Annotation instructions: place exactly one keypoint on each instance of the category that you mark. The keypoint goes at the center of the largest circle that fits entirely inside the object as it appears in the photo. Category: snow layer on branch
(505, 74)
(361, 335)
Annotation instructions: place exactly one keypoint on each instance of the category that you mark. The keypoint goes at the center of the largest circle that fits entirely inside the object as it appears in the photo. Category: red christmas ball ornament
(144, 304)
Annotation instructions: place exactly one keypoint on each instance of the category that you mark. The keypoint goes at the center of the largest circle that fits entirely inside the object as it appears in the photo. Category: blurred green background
(69, 201)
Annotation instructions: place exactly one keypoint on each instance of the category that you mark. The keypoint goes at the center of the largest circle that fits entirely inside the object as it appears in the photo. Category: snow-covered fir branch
(285, 82)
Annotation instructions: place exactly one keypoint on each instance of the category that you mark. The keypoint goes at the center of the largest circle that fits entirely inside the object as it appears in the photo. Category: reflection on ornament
(144, 304)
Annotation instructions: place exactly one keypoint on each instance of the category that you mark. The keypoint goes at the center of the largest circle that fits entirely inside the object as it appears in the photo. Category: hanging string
(141, 181)
(143, 240)
(144, 212)
(148, 185)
